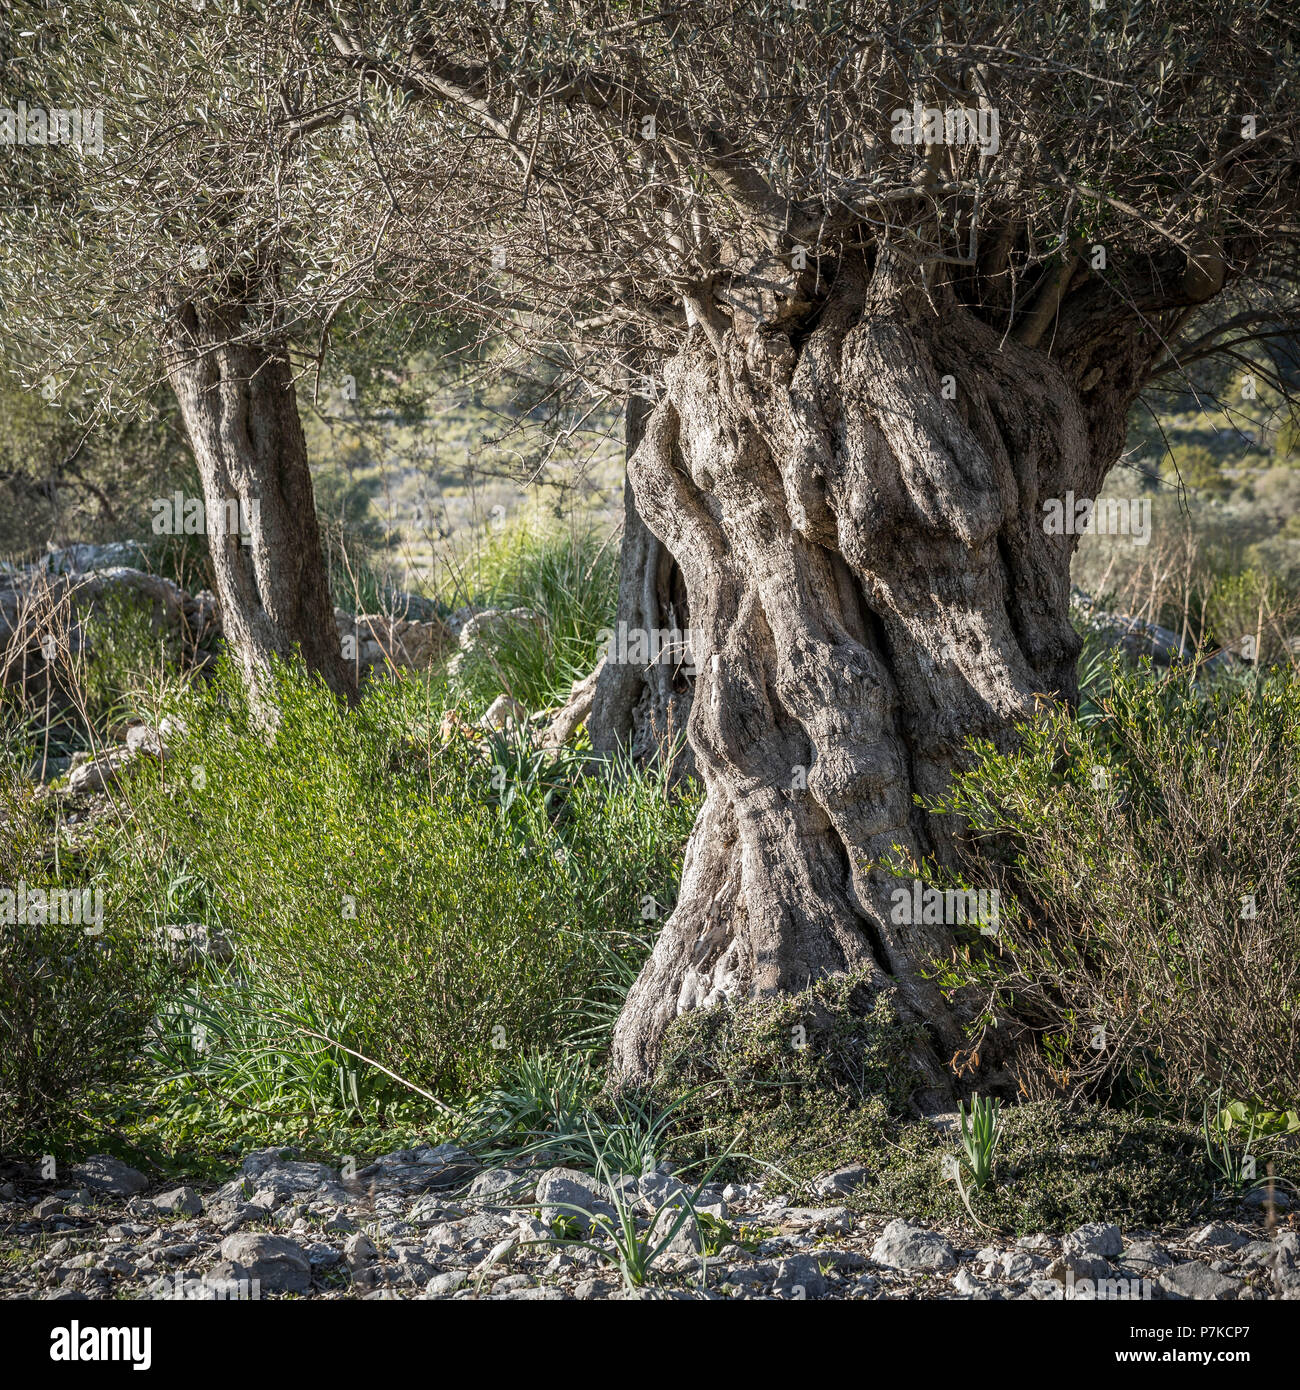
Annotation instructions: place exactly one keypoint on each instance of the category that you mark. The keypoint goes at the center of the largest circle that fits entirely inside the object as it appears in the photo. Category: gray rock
(842, 1260)
(1144, 1255)
(658, 1189)
(1218, 1236)
(541, 1293)
(839, 1219)
(279, 1165)
(110, 1176)
(1098, 1238)
(227, 1279)
(359, 1248)
(511, 1283)
(685, 1240)
(1193, 1280)
(529, 1228)
(1074, 1268)
(420, 1170)
(442, 1284)
(239, 1217)
(482, 1227)
(567, 1193)
(799, 1277)
(99, 775)
(1286, 1268)
(1257, 1252)
(904, 1246)
(1258, 1198)
(500, 1186)
(966, 1284)
(281, 1265)
(1020, 1266)
(413, 1266)
(180, 1201)
(842, 1181)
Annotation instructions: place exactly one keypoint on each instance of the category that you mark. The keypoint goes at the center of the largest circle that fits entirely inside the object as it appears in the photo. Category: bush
(738, 1078)
(73, 1012)
(800, 1082)
(1057, 1167)
(391, 911)
(1150, 865)
(74, 1004)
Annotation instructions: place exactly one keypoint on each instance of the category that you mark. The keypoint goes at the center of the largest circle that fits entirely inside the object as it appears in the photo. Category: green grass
(569, 579)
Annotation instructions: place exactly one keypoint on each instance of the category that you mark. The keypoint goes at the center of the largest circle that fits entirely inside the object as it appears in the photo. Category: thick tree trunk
(864, 552)
(237, 401)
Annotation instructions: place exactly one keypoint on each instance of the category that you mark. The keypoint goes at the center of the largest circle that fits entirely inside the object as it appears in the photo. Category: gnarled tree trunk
(237, 400)
(641, 707)
(858, 516)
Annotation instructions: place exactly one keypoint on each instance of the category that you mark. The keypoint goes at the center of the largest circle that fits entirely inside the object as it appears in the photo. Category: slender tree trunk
(237, 401)
(630, 703)
(642, 706)
(858, 517)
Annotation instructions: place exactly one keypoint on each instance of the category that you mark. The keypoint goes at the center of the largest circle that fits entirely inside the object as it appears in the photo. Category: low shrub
(74, 1008)
(794, 1082)
(1150, 865)
(1057, 1166)
(393, 917)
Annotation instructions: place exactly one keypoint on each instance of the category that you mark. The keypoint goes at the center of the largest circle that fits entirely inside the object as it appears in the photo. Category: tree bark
(642, 707)
(866, 559)
(634, 706)
(237, 401)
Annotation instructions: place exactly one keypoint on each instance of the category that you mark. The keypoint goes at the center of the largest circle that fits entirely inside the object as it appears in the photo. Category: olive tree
(144, 247)
(902, 271)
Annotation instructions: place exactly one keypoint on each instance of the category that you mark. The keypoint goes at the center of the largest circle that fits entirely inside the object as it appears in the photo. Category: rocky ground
(433, 1223)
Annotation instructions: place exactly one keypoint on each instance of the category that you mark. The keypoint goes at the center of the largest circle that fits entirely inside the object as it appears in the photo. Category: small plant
(1235, 1168)
(714, 1234)
(980, 1131)
(631, 1246)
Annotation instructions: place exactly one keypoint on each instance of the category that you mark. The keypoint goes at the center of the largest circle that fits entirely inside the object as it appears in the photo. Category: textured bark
(237, 401)
(868, 564)
(632, 707)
